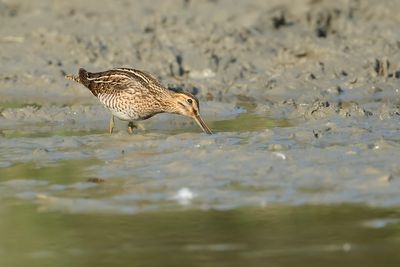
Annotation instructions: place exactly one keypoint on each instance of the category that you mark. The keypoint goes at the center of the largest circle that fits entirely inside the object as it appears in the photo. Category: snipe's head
(188, 105)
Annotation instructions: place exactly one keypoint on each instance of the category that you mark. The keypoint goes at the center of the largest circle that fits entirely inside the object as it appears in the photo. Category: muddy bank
(304, 98)
(307, 51)
(343, 164)
(303, 168)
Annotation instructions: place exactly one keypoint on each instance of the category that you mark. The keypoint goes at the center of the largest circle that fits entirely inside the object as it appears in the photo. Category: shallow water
(274, 235)
(181, 198)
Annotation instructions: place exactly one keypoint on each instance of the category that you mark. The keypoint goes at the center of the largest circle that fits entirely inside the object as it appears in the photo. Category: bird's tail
(81, 78)
(72, 78)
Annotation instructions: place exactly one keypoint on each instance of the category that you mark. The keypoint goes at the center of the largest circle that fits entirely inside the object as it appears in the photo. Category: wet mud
(303, 97)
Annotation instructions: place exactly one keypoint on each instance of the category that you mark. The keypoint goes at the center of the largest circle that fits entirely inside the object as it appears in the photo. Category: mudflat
(303, 97)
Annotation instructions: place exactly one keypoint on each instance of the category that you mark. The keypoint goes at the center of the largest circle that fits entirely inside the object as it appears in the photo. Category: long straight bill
(202, 124)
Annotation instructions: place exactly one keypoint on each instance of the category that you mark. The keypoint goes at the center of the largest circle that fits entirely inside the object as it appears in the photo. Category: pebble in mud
(278, 147)
(95, 180)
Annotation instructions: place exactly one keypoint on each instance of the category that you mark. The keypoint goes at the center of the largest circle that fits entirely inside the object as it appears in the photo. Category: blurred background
(303, 169)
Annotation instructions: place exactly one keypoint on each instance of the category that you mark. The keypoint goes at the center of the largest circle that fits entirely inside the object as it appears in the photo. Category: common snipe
(134, 95)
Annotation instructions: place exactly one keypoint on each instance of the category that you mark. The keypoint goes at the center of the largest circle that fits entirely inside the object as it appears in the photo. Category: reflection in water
(244, 122)
(46, 131)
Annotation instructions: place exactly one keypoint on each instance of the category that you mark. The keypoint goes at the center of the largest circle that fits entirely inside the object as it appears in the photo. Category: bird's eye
(190, 101)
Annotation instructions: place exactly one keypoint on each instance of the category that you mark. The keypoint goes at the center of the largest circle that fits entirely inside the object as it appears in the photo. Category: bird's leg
(131, 126)
(111, 124)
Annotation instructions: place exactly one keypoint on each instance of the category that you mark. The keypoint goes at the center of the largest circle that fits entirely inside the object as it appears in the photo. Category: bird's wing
(108, 82)
(138, 74)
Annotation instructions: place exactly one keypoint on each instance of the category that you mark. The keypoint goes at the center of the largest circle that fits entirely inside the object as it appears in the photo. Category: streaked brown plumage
(134, 95)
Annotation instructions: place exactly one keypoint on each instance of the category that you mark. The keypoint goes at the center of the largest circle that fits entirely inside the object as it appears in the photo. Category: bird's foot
(132, 126)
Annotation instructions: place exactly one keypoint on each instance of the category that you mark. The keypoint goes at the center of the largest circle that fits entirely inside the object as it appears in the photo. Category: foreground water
(275, 236)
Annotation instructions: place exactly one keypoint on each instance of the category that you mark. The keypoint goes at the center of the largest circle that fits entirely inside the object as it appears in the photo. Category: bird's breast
(130, 107)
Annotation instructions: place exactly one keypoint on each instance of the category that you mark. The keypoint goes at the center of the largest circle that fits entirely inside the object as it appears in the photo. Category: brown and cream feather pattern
(134, 95)
(129, 94)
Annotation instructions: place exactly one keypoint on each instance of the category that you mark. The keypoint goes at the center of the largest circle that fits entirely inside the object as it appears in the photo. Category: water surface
(274, 235)
(74, 196)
